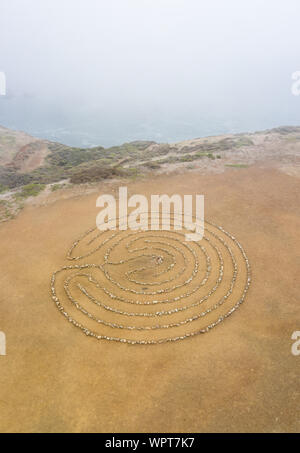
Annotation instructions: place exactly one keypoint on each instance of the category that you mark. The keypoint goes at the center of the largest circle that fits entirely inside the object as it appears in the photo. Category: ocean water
(105, 73)
(77, 125)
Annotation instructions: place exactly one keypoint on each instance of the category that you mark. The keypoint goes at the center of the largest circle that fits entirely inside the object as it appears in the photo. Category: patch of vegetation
(57, 187)
(168, 160)
(187, 158)
(30, 190)
(10, 178)
(5, 213)
(224, 144)
(133, 150)
(237, 165)
(3, 188)
(92, 164)
(162, 150)
(152, 164)
(132, 172)
(201, 154)
(96, 173)
(70, 157)
(243, 141)
(8, 210)
(284, 130)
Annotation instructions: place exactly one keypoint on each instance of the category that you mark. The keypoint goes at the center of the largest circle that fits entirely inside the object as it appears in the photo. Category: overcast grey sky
(147, 60)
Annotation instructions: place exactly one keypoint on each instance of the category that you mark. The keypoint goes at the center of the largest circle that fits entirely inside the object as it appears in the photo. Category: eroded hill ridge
(28, 165)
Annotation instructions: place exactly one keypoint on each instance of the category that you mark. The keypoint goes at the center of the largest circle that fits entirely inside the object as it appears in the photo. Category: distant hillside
(11, 142)
(25, 160)
(30, 167)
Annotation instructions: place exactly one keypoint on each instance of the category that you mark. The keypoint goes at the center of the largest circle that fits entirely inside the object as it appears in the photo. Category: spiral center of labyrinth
(150, 287)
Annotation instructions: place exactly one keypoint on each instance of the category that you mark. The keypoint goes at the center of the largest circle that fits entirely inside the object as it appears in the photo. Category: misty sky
(90, 72)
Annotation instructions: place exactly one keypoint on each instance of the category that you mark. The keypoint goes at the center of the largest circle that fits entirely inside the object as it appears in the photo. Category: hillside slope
(25, 159)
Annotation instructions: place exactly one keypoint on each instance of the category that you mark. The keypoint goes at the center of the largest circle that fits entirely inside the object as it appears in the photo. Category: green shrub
(70, 157)
(200, 154)
(94, 174)
(153, 165)
(168, 160)
(243, 141)
(132, 172)
(187, 158)
(237, 165)
(3, 188)
(30, 190)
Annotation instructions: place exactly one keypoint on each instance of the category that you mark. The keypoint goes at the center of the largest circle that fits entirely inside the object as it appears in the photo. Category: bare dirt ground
(10, 143)
(35, 157)
(240, 377)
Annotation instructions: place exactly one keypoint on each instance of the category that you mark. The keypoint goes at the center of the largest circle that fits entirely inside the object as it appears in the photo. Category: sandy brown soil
(35, 157)
(10, 143)
(241, 376)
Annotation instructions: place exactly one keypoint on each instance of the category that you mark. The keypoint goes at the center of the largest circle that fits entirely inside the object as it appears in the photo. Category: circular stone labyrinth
(151, 287)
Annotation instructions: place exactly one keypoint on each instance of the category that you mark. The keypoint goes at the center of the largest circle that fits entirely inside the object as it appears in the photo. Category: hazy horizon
(106, 72)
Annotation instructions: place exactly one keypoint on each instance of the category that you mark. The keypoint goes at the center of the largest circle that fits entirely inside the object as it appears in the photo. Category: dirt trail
(29, 157)
(241, 376)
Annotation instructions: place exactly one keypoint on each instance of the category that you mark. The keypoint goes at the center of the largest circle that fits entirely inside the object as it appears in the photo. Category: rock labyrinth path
(151, 287)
